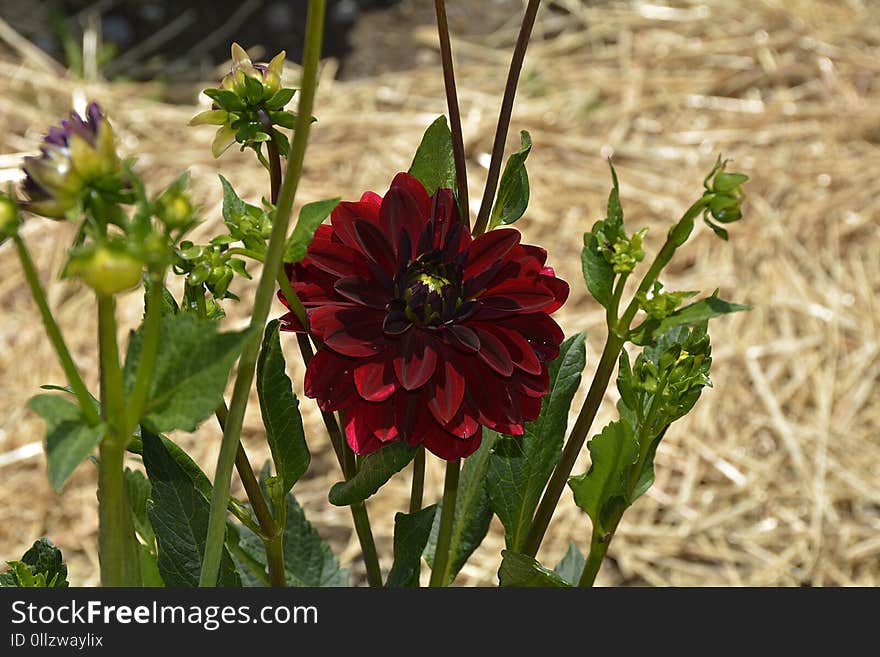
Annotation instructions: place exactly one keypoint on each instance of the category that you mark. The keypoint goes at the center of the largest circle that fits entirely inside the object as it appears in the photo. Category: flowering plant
(419, 332)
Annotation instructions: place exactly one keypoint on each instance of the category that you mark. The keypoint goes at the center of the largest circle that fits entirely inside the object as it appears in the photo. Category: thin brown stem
(516, 62)
(454, 113)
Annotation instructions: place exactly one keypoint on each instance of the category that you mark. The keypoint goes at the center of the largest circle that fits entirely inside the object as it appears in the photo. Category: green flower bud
(107, 268)
(9, 219)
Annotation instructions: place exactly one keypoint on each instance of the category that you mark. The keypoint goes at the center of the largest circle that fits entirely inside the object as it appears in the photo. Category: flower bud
(9, 219)
(107, 268)
(75, 157)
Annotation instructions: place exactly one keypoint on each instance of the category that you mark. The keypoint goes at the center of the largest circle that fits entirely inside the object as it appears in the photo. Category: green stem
(118, 550)
(71, 371)
(362, 527)
(418, 482)
(617, 333)
(112, 393)
(598, 548)
(556, 485)
(263, 298)
(439, 573)
(516, 62)
(454, 113)
(150, 347)
(117, 545)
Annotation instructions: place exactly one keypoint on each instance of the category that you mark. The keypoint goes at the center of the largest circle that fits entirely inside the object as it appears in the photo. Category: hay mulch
(774, 480)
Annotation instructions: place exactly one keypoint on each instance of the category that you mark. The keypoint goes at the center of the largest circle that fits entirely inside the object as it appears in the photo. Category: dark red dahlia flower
(426, 334)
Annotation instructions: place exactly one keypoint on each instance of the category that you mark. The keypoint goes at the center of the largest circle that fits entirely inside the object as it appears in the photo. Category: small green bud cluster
(725, 198)
(667, 377)
(659, 305)
(248, 105)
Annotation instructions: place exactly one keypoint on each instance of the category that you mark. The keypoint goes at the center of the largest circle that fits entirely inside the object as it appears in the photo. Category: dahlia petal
(362, 291)
(416, 360)
(342, 221)
(489, 248)
(374, 201)
(358, 435)
(396, 323)
(415, 187)
(329, 379)
(375, 246)
(444, 215)
(462, 425)
(558, 287)
(337, 259)
(528, 296)
(542, 332)
(448, 392)
(521, 352)
(290, 322)
(400, 212)
(375, 380)
(463, 338)
(493, 352)
(355, 332)
(448, 447)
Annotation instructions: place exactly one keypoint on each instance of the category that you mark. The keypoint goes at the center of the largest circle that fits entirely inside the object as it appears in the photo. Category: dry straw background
(774, 480)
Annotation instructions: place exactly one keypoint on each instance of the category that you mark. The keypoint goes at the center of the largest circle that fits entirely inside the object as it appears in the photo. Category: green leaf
(614, 215)
(280, 409)
(69, 438)
(179, 515)
(191, 371)
(41, 566)
(311, 216)
(308, 560)
(234, 207)
(598, 272)
(602, 490)
(374, 471)
(520, 466)
(473, 512)
(434, 162)
(138, 489)
(572, 565)
(519, 570)
(226, 99)
(150, 575)
(702, 310)
(513, 190)
(193, 471)
(411, 532)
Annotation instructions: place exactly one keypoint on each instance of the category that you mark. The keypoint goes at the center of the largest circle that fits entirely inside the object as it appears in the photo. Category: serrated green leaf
(702, 310)
(572, 565)
(41, 566)
(473, 511)
(519, 570)
(137, 487)
(520, 466)
(411, 532)
(602, 491)
(179, 515)
(308, 560)
(69, 438)
(374, 471)
(311, 216)
(434, 162)
(513, 190)
(280, 410)
(190, 373)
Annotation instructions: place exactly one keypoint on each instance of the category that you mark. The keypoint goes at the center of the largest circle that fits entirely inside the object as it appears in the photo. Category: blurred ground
(775, 477)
